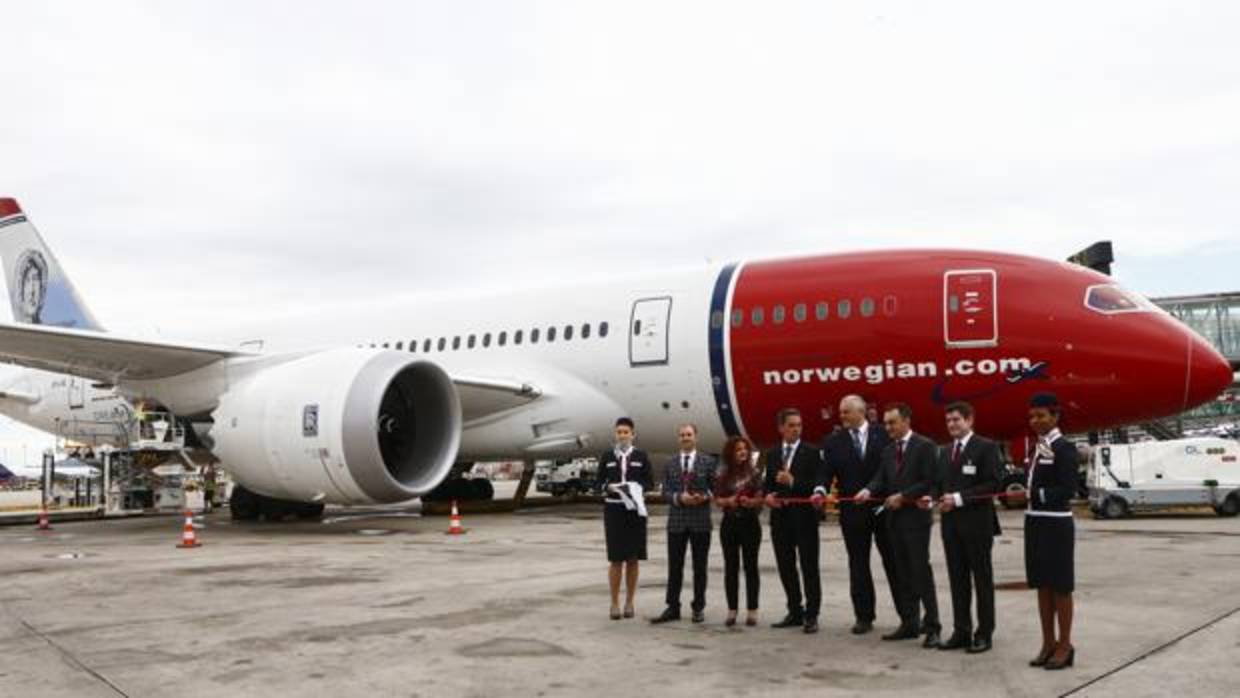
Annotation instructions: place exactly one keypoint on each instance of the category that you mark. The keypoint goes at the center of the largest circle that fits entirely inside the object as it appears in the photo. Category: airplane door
(77, 393)
(648, 331)
(970, 316)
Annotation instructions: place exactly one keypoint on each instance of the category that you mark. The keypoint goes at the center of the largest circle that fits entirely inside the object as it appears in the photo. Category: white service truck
(1160, 474)
(572, 477)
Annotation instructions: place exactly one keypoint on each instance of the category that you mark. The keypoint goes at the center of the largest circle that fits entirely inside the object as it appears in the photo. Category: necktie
(956, 454)
(899, 457)
(857, 443)
(624, 467)
(685, 472)
(684, 462)
(787, 456)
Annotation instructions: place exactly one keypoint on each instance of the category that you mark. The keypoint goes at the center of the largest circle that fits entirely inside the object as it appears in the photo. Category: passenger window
(890, 306)
(426, 346)
(799, 313)
(517, 336)
(777, 315)
(385, 345)
(486, 340)
(534, 333)
(413, 345)
(867, 307)
(469, 343)
(738, 317)
(551, 334)
(503, 338)
(843, 309)
(400, 346)
(585, 331)
(716, 319)
(456, 343)
(822, 310)
(637, 328)
(756, 316)
(568, 333)
(602, 329)
(443, 343)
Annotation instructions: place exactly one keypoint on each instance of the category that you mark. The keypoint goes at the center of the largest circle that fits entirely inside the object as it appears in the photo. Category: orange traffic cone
(44, 524)
(454, 523)
(189, 538)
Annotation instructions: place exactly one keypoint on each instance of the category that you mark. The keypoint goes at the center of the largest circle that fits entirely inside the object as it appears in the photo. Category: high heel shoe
(752, 619)
(615, 613)
(731, 619)
(1052, 665)
(1043, 657)
(628, 612)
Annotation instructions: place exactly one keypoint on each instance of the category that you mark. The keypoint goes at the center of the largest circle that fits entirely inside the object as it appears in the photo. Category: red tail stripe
(9, 207)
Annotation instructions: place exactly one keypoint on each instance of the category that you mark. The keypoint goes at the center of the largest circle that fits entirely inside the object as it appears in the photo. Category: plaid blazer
(700, 481)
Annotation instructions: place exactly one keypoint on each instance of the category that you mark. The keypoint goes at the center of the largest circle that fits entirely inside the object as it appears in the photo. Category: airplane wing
(103, 357)
(112, 359)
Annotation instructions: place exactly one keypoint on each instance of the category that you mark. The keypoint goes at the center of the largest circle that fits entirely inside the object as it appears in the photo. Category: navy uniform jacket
(915, 479)
(609, 471)
(700, 481)
(843, 464)
(978, 472)
(1052, 474)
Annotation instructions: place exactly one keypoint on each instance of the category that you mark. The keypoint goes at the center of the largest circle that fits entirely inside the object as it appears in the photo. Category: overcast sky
(196, 162)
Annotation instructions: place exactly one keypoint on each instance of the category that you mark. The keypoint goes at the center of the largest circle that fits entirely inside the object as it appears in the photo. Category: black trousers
(863, 531)
(677, 541)
(967, 542)
(794, 534)
(740, 537)
(910, 541)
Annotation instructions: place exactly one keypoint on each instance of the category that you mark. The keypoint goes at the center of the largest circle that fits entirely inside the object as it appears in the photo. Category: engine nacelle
(348, 426)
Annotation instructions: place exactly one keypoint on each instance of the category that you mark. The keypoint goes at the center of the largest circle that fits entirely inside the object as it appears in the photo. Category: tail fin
(39, 290)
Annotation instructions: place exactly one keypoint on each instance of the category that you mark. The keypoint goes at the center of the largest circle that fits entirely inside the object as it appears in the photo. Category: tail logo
(31, 286)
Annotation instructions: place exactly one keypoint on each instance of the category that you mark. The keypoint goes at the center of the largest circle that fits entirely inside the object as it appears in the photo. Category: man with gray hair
(852, 456)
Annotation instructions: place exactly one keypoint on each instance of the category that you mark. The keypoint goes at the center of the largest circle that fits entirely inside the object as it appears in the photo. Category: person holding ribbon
(796, 490)
(1050, 532)
(623, 477)
(687, 486)
(970, 473)
(738, 492)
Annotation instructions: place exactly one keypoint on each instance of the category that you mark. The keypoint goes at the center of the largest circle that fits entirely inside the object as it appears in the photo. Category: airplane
(68, 468)
(376, 404)
(72, 408)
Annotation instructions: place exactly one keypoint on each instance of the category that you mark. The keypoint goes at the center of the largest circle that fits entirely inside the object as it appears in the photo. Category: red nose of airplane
(1208, 373)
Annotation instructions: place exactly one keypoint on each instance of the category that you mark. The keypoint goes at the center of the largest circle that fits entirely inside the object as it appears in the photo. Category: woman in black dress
(624, 477)
(1050, 531)
(738, 492)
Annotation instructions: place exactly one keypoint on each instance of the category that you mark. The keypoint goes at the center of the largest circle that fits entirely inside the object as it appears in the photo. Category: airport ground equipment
(565, 477)
(1151, 475)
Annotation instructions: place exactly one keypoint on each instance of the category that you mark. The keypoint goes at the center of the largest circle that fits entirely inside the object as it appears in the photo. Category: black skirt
(1049, 556)
(625, 532)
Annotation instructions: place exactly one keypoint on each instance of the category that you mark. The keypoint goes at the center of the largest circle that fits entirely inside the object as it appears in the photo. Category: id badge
(969, 469)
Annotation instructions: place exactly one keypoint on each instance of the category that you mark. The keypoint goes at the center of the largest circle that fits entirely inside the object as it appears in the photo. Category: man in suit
(852, 456)
(906, 479)
(794, 470)
(969, 471)
(689, 478)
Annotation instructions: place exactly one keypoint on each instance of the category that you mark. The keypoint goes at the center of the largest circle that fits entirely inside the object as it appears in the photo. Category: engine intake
(344, 426)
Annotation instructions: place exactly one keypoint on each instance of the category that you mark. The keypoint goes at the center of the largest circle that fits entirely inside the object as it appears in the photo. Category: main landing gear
(252, 506)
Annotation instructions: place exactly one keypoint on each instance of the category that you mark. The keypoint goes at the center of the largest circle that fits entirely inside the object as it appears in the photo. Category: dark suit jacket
(915, 479)
(979, 472)
(843, 465)
(640, 470)
(808, 472)
(701, 481)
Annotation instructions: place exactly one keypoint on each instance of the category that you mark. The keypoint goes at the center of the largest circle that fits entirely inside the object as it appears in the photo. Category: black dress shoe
(811, 626)
(932, 640)
(980, 644)
(669, 614)
(1055, 665)
(862, 627)
(698, 616)
(790, 621)
(955, 642)
(904, 632)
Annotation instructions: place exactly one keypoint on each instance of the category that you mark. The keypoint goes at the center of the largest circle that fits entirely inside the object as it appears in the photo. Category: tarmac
(382, 603)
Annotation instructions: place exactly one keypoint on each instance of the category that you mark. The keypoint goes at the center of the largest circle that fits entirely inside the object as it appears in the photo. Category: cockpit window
(1110, 299)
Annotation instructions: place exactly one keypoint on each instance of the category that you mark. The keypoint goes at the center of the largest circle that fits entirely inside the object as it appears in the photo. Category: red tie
(899, 457)
(956, 454)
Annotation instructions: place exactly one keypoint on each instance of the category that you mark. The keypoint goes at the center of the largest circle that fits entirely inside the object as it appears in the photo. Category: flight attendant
(852, 456)
(970, 470)
(794, 470)
(906, 479)
(1050, 532)
(738, 492)
(624, 477)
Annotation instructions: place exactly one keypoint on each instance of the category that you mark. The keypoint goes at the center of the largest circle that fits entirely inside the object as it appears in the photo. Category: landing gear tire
(1015, 494)
(310, 512)
(244, 505)
(481, 489)
(1230, 506)
(462, 490)
(1114, 508)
